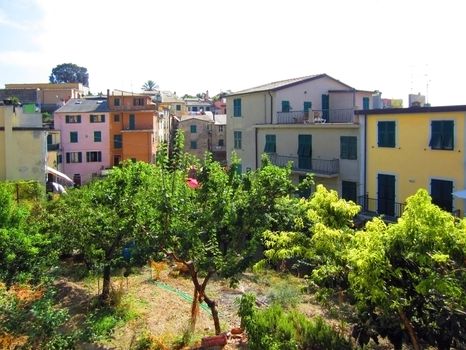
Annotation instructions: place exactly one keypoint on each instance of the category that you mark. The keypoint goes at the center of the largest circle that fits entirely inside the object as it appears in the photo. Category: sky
(397, 47)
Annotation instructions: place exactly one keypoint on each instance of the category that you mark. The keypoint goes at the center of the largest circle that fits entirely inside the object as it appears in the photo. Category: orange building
(133, 127)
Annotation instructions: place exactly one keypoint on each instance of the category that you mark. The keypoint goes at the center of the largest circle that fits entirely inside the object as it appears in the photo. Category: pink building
(85, 143)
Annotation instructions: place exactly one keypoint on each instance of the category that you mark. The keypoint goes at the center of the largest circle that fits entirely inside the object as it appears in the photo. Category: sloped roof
(203, 117)
(277, 85)
(75, 105)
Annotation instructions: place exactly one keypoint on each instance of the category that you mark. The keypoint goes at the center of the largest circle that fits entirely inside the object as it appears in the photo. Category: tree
(69, 73)
(104, 219)
(25, 253)
(149, 85)
(214, 229)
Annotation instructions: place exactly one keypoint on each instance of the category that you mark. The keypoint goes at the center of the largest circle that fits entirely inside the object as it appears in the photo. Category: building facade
(85, 138)
(134, 122)
(309, 121)
(23, 149)
(411, 148)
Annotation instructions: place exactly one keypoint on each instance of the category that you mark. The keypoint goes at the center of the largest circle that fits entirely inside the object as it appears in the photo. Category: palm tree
(150, 85)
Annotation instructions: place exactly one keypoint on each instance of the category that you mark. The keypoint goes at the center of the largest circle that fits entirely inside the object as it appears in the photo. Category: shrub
(274, 328)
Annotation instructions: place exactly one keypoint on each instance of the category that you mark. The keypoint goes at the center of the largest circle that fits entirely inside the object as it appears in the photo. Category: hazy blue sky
(397, 46)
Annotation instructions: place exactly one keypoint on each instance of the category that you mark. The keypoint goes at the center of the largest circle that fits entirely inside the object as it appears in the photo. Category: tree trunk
(213, 308)
(194, 310)
(105, 296)
(410, 329)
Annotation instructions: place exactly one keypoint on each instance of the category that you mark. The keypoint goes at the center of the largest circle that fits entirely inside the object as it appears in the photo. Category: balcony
(53, 147)
(320, 167)
(316, 116)
(390, 209)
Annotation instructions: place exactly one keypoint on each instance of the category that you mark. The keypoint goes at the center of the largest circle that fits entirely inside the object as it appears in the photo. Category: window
(193, 144)
(138, 101)
(220, 128)
(117, 141)
(178, 107)
(270, 144)
(59, 159)
(194, 109)
(221, 143)
(386, 134)
(116, 102)
(70, 119)
(349, 191)
(193, 129)
(97, 136)
(442, 135)
(286, 106)
(97, 118)
(237, 107)
(440, 191)
(116, 160)
(237, 140)
(305, 152)
(94, 156)
(49, 139)
(74, 157)
(116, 118)
(348, 147)
(207, 108)
(73, 136)
(132, 122)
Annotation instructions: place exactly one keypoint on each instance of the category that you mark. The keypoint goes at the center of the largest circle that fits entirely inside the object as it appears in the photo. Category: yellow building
(411, 148)
(23, 149)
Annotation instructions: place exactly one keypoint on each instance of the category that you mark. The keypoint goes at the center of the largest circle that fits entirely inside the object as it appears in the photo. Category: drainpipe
(365, 155)
(271, 107)
(255, 144)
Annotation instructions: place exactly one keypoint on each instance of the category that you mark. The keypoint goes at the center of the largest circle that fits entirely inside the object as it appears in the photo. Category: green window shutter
(79, 119)
(286, 106)
(73, 136)
(68, 157)
(447, 135)
(193, 129)
(386, 136)
(97, 136)
(348, 147)
(349, 191)
(270, 144)
(305, 145)
(80, 157)
(67, 119)
(391, 134)
(365, 103)
(237, 107)
(103, 118)
(307, 106)
(441, 193)
(88, 157)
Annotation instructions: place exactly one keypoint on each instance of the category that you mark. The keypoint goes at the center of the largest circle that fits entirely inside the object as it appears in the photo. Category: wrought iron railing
(53, 146)
(316, 116)
(307, 164)
(381, 206)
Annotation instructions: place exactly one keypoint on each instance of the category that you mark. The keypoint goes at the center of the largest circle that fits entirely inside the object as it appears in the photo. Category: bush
(274, 328)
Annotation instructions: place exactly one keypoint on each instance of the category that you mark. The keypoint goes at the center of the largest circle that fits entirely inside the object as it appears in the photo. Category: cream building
(308, 121)
(23, 149)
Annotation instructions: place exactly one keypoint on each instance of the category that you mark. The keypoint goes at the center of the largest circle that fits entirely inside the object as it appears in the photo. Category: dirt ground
(164, 305)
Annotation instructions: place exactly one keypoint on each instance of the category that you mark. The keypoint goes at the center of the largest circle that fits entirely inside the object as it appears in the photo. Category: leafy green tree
(149, 85)
(214, 229)
(413, 272)
(69, 73)
(25, 253)
(105, 219)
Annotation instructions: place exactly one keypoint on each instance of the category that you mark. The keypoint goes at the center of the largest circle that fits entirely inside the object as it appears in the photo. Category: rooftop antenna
(427, 83)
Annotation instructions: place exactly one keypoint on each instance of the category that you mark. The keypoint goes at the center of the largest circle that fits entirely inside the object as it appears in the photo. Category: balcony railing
(328, 167)
(387, 207)
(316, 116)
(53, 146)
